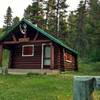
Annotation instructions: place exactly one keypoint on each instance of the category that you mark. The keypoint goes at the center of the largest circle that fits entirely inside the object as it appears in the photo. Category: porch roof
(52, 38)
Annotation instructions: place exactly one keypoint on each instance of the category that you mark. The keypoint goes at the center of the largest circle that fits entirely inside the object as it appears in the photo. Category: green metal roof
(56, 40)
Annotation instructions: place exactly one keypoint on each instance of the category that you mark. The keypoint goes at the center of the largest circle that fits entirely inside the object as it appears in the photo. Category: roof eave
(43, 32)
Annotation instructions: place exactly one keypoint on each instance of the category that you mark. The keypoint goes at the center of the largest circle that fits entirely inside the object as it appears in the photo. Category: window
(28, 50)
(47, 54)
(67, 57)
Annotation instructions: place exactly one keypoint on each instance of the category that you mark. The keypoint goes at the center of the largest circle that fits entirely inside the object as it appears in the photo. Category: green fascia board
(49, 36)
(6, 33)
(45, 34)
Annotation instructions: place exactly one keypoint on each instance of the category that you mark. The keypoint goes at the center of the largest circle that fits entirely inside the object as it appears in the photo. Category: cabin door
(46, 56)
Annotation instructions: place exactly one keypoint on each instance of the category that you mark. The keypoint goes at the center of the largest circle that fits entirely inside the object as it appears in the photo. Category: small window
(67, 57)
(28, 50)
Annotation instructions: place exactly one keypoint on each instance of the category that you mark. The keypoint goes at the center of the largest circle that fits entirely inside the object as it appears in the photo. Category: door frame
(42, 55)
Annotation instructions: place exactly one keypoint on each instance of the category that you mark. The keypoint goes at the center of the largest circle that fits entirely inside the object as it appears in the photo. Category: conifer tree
(15, 20)
(93, 29)
(71, 34)
(8, 19)
(50, 16)
(81, 38)
(56, 17)
(34, 13)
(62, 15)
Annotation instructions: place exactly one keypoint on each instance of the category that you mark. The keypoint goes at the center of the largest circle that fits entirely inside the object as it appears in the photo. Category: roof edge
(51, 37)
(58, 41)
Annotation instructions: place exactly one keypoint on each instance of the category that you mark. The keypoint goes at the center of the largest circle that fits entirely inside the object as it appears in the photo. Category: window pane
(47, 52)
(27, 50)
(47, 62)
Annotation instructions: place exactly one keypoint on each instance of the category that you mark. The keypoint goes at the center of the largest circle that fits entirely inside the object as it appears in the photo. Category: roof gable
(52, 38)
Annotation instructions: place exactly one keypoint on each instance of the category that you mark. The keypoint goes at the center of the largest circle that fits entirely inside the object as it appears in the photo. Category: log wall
(24, 62)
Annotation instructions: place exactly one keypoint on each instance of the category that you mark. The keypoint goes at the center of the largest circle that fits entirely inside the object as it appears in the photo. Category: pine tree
(93, 28)
(62, 13)
(71, 35)
(49, 10)
(81, 38)
(8, 19)
(15, 20)
(34, 13)
(56, 17)
(27, 13)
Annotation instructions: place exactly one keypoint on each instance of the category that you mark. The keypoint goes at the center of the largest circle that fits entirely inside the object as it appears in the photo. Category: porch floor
(25, 71)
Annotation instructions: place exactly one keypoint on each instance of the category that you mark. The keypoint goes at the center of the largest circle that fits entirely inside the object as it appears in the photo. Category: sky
(18, 7)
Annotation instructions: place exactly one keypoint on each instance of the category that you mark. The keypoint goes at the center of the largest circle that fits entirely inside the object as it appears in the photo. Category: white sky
(18, 7)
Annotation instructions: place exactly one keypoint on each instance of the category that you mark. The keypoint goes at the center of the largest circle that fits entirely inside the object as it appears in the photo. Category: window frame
(23, 55)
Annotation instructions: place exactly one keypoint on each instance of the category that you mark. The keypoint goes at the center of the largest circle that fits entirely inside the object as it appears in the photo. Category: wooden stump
(83, 88)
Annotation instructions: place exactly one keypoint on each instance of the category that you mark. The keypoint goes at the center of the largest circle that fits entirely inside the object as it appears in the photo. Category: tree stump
(83, 88)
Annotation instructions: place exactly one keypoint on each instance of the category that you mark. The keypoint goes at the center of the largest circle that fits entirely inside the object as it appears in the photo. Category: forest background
(79, 29)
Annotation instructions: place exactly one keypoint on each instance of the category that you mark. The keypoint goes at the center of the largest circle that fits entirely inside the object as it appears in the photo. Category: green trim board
(56, 40)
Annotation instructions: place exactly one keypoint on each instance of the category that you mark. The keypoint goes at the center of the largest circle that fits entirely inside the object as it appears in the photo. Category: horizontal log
(25, 67)
(22, 64)
(28, 63)
(33, 61)
(18, 42)
(19, 57)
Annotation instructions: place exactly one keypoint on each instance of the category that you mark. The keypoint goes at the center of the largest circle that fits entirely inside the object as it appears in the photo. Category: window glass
(47, 52)
(47, 62)
(27, 50)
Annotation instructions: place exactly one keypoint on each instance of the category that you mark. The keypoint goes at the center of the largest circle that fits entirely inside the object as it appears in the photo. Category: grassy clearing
(44, 87)
(35, 87)
(87, 69)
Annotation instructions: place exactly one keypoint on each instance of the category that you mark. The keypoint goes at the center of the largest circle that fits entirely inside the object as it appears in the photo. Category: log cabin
(32, 48)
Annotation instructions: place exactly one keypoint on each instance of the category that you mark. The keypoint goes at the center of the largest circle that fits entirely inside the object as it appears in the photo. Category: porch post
(52, 56)
(1, 54)
(42, 57)
(10, 59)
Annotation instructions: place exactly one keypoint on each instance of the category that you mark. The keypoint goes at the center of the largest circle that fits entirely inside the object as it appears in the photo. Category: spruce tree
(8, 19)
(34, 13)
(62, 13)
(93, 29)
(71, 34)
(15, 20)
(56, 17)
(81, 38)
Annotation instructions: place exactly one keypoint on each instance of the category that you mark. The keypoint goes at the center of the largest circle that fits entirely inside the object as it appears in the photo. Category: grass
(35, 87)
(44, 87)
(90, 68)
